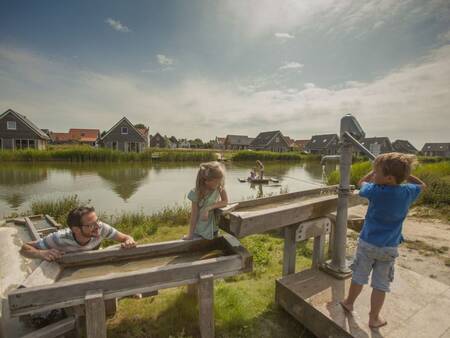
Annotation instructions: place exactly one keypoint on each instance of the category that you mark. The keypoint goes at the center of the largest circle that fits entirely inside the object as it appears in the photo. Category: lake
(113, 187)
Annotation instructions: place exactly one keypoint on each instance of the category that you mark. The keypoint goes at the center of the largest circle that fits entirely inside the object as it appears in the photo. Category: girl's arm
(193, 222)
(367, 178)
(222, 203)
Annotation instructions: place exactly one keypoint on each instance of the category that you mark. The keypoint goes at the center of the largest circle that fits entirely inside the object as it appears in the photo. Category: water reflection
(124, 181)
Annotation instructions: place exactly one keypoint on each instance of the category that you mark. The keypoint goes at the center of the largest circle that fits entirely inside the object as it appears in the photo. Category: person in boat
(209, 194)
(85, 232)
(260, 168)
(252, 175)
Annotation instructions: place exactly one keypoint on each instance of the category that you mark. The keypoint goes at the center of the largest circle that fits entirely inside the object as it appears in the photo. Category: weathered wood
(33, 232)
(54, 330)
(63, 294)
(206, 305)
(147, 250)
(244, 223)
(290, 250)
(318, 251)
(45, 273)
(95, 314)
(235, 246)
(52, 221)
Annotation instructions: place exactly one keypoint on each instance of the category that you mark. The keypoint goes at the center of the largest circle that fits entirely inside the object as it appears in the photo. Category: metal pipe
(348, 137)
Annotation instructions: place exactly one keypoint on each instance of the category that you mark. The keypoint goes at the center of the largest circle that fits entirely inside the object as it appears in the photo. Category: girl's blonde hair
(259, 163)
(208, 171)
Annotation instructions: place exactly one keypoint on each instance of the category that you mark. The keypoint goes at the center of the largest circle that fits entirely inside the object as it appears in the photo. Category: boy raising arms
(389, 202)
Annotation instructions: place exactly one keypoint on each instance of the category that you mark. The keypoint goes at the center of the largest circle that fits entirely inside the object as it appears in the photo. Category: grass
(244, 304)
(90, 154)
(249, 155)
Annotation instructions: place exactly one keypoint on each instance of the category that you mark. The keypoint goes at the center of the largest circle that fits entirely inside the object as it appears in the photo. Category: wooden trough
(88, 280)
(270, 213)
(38, 225)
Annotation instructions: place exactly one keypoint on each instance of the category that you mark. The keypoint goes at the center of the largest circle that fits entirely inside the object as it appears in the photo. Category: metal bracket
(313, 228)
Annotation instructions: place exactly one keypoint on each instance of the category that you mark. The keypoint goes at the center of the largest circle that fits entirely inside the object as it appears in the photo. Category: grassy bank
(244, 304)
(86, 154)
(248, 155)
(435, 174)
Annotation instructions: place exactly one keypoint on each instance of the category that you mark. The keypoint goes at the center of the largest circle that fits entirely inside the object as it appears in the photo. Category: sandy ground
(426, 249)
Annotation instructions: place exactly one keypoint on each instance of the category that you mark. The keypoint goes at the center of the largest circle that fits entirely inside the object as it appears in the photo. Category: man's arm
(30, 250)
(415, 180)
(367, 178)
(126, 240)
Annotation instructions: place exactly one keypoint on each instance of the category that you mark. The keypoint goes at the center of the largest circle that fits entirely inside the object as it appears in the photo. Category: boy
(389, 201)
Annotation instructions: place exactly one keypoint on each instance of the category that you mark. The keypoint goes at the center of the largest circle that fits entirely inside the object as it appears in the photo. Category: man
(85, 232)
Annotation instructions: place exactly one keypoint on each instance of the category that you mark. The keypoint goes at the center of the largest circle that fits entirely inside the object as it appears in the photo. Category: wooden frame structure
(92, 293)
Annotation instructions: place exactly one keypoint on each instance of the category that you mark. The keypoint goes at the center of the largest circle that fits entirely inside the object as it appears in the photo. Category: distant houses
(219, 143)
(18, 132)
(326, 144)
(124, 136)
(158, 141)
(79, 136)
(377, 145)
(270, 141)
(300, 145)
(404, 146)
(237, 142)
(436, 149)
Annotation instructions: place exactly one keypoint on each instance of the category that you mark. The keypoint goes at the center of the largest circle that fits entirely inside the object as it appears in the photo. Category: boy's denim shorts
(380, 261)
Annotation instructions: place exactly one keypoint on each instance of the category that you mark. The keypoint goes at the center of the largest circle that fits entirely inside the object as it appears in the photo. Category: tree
(140, 125)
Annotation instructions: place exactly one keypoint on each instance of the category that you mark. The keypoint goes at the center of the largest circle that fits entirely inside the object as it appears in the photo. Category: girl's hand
(187, 238)
(204, 216)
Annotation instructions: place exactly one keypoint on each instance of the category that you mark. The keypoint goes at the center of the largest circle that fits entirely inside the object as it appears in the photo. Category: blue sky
(211, 68)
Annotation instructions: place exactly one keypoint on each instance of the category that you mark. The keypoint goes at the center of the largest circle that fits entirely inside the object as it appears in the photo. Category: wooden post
(95, 314)
(206, 305)
(289, 252)
(318, 251)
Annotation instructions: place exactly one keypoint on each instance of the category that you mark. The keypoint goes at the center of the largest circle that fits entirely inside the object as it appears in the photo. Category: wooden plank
(206, 305)
(95, 314)
(236, 247)
(147, 250)
(63, 294)
(242, 224)
(33, 232)
(52, 221)
(289, 250)
(54, 330)
(318, 251)
(45, 273)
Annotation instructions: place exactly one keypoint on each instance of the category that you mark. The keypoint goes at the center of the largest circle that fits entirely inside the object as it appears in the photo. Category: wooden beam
(33, 232)
(206, 305)
(233, 244)
(95, 314)
(45, 273)
(64, 294)
(318, 251)
(54, 330)
(289, 250)
(52, 221)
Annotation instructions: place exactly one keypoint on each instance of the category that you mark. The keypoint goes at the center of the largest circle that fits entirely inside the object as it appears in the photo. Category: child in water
(252, 175)
(209, 194)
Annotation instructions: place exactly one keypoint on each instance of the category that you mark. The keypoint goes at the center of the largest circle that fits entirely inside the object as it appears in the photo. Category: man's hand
(128, 243)
(50, 255)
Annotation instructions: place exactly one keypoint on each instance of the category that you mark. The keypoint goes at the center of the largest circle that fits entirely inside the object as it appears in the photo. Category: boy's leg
(376, 303)
(353, 293)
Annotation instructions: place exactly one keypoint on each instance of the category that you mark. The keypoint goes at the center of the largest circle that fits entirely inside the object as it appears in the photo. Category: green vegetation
(249, 155)
(244, 304)
(86, 154)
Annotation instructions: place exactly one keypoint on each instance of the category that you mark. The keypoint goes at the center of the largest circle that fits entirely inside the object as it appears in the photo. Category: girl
(209, 194)
(260, 168)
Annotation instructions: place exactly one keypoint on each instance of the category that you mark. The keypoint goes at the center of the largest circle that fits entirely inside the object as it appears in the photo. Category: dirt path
(426, 249)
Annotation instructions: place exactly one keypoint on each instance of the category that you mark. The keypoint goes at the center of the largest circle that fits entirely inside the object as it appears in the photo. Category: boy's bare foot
(377, 322)
(347, 307)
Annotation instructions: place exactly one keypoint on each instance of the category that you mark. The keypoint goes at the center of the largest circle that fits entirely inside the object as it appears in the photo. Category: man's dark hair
(75, 215)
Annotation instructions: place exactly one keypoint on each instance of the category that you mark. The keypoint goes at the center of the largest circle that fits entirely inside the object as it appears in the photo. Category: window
(277, 139)
(313, 141)
(24, 144)
(325, 140)
(11, 125)
(124, 130)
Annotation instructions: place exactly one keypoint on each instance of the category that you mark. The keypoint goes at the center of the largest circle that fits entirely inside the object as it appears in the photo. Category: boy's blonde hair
(397, 165)
(208, 171)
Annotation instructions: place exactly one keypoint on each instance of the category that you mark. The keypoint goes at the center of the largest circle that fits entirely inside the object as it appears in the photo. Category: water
(113, 187)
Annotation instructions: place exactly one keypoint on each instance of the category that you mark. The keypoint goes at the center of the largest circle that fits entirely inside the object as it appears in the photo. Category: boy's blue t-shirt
(388, 207)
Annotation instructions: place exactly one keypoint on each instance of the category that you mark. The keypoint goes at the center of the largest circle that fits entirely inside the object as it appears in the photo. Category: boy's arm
(415, 180)
(367, 178)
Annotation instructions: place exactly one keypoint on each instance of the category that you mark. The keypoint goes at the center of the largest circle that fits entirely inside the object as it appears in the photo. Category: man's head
(393, 168)
(83, 221)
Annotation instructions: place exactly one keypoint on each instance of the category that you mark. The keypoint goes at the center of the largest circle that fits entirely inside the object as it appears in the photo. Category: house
(326, 144)
(377, 145)
(219, 143)
(301, 144)
(436, 149)
(60, 138)
(173, 142)
(144, 132)
(237, 142)
(125, 137)
(271, 141)
(404, 146)
(291, 143)
(184, 143)
(84, 136)
(18, 132)
(158, 141)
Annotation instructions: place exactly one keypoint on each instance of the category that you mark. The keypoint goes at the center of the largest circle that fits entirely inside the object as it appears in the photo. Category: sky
(193, 68)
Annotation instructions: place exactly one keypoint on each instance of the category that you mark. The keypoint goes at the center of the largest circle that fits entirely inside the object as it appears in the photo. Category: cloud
(164, 60)
(117, 25)
(284, 36)
(408, 103)
(291, 65)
